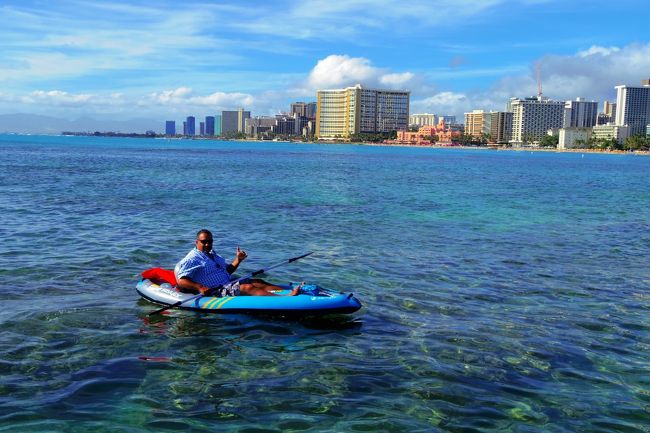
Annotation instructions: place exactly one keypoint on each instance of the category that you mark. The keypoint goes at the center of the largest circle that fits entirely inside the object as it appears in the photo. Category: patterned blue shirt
(206, 269)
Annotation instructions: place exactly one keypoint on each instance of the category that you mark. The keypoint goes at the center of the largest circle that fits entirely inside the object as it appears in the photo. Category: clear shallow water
(502, 291)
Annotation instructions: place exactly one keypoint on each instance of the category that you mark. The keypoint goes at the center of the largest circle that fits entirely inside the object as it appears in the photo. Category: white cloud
(97, 39)
(184, 96)
(56, 97)
(175, 95)
(594, 49)
(226, 100)
(46, 99)
(335, 71)
(591, 73)
(396, 79)
(442, 103)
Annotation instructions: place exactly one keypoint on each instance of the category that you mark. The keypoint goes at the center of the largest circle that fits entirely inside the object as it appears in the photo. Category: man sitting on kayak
(204, 271)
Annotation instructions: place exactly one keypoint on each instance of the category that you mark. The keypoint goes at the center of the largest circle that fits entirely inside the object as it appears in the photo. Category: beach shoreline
(430, 146)
(504, 148)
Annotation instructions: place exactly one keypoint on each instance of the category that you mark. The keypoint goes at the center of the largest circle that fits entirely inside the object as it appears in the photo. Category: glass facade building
(191, 126)
(209, 126)
(217, 125)
(170, 127)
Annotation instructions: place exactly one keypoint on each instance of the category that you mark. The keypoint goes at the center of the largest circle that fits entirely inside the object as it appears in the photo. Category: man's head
(204, 241)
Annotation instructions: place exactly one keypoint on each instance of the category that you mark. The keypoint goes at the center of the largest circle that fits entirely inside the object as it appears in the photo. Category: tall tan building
(496, 126)
(341, 113)
(609, 108)
(500, 126)
(475, 123)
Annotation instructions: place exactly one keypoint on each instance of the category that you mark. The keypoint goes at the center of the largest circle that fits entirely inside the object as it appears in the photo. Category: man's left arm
(240, 256)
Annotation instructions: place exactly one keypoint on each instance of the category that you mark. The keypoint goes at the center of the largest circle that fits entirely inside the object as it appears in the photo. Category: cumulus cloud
(396, 79)
(167, 96)
(336, 71)
(591, 73)
(221, 99)
(442, 103)
(594, 49)
(184, 96)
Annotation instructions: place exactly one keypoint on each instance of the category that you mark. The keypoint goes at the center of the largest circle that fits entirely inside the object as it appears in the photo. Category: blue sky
(166, 60)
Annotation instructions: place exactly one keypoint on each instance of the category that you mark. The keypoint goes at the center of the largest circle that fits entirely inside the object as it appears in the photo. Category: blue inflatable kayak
(319, 301)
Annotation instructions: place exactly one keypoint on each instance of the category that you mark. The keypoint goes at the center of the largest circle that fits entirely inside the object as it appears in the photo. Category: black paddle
(260, 271)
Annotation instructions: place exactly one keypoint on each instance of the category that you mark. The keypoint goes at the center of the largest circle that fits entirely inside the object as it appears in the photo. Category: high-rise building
(341, 113)
(477, 123)
(184, 127)
(533, 117)
(241, 119)
(217, 125)
(633, 107)
(234, 121)
(191, 126)
(580, 113)
(310, 110)
(202, 129)
(609, 108)
(449, 119)
(304, 109)
(423, 119)
(170, 128)
(228, 122)
(209, 126)
(302, 125)
(284, 125)
(496, 126)
(608, 115)
(500, 126)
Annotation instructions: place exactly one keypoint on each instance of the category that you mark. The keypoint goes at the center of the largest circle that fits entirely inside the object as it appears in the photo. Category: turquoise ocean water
(502, 291)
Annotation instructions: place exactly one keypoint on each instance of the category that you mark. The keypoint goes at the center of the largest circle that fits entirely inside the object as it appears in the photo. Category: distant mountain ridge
(38, 124)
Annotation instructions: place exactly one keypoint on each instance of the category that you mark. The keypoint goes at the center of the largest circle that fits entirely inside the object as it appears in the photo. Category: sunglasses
(205, 242)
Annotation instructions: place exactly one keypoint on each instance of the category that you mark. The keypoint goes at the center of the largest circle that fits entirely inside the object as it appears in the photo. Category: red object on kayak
(160, 275)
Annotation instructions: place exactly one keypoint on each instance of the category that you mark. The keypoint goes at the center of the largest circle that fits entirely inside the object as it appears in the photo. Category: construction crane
(538, 70)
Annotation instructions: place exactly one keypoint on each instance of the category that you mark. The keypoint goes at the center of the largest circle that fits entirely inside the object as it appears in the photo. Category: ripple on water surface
(502, 291)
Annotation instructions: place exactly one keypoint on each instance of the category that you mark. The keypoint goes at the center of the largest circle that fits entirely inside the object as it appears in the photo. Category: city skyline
(151, 60)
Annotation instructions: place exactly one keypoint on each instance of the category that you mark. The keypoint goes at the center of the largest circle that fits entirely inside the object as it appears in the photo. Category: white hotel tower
(633, 107)
(533, 117)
